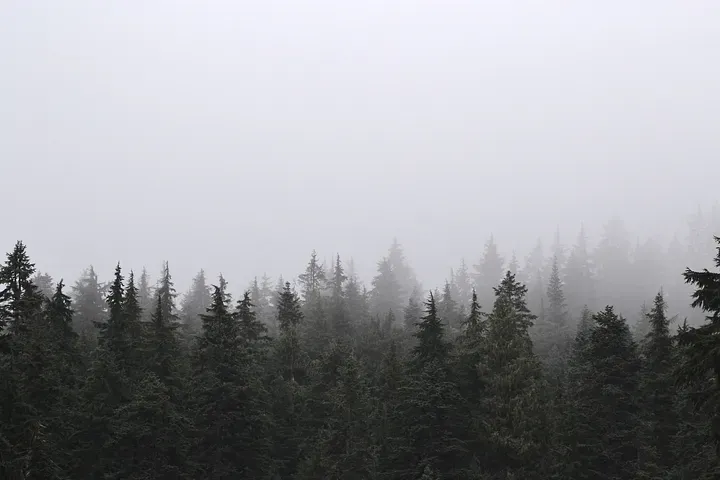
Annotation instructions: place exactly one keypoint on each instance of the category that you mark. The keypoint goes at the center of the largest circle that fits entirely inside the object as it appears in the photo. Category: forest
(578, 362)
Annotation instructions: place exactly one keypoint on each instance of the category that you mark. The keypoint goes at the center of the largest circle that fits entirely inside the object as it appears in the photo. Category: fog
(239, 136)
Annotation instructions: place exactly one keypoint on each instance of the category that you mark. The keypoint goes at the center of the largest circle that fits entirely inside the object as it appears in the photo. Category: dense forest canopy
(574, 362)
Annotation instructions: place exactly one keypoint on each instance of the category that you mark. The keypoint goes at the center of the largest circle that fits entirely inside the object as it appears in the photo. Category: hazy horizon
(239, 136)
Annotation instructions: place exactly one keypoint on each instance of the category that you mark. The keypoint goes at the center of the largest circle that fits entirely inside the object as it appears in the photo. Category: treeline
(331, 380)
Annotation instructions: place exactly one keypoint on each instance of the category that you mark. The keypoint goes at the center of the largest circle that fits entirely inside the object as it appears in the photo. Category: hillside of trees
(574, 363)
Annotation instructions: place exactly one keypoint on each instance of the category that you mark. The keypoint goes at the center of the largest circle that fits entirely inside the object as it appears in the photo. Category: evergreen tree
(514, 387)
(552, 333)
(313, 281)
(89, 303)
(44, 283)
(605, 406)
(339, 317)
(488, 272)
(469, 354)
(448, 310)
(432, 400)
(700, 367)
(659, 410)
(146, 294)
(386, 294)
(579, 278)
(229, 396)
(463, 285)
(19, 298)
(194, 303)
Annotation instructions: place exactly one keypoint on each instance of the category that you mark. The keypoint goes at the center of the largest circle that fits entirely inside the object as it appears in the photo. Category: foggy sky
(239, 135)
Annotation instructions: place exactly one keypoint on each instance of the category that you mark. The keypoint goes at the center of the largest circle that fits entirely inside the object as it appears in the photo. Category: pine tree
(313, 281)
(290, 317)
(386, 294)
(19, 298)
(339, 316)
(488, 272)
(700, 363)
(552, 333)
(403, 273)
(533, 275)
(89, 303)
(448, 310)
(27, 400)
(514, 386)
(432, 399)
(261, 296)
(658, 394)
(430, 333)
(412, 314)
(579, 278)
(194, 303)
(469, 353)
(605, 408)
(463, 285)
(146, 294)
(229, 396)
(44, 283)
(133, 315)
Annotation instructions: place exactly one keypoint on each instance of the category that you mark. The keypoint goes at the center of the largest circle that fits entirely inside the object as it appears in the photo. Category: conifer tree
(339, 318)
(432, 400)
(469, 354)
(463, 285)
(513, 386)
(605, 406)
(386, 294)
(146, 294)
(579, 278)
(229, 397)
(488, 272)
(89, 303)
(20, 299)
(194, 303)
(659, 409)
(700, 363)
(313, 281)
(552, 332)
(44, 283)
(448, 310)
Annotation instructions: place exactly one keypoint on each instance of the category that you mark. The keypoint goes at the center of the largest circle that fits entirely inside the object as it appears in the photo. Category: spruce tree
(432, 400)
(194, 303)
(514, 386)
(605, 409)
(386, 293)
(552, 332)
(700, 364)
(659, 409)
(89, 303)
(488, 272)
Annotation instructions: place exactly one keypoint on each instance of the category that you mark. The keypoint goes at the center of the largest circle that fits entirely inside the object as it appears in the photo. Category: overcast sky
(239, 135)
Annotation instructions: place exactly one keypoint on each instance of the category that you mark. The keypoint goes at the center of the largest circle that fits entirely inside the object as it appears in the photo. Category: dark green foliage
(659, 404)
(229, 398)
(699, 371)
(431, 345)
(341, 386)
(603, 402)
(513, 387)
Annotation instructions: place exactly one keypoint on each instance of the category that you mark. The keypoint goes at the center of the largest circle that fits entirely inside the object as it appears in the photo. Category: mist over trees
(570, 361)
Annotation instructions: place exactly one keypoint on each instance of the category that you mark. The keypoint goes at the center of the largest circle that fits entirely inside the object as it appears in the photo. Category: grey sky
(240, 135)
